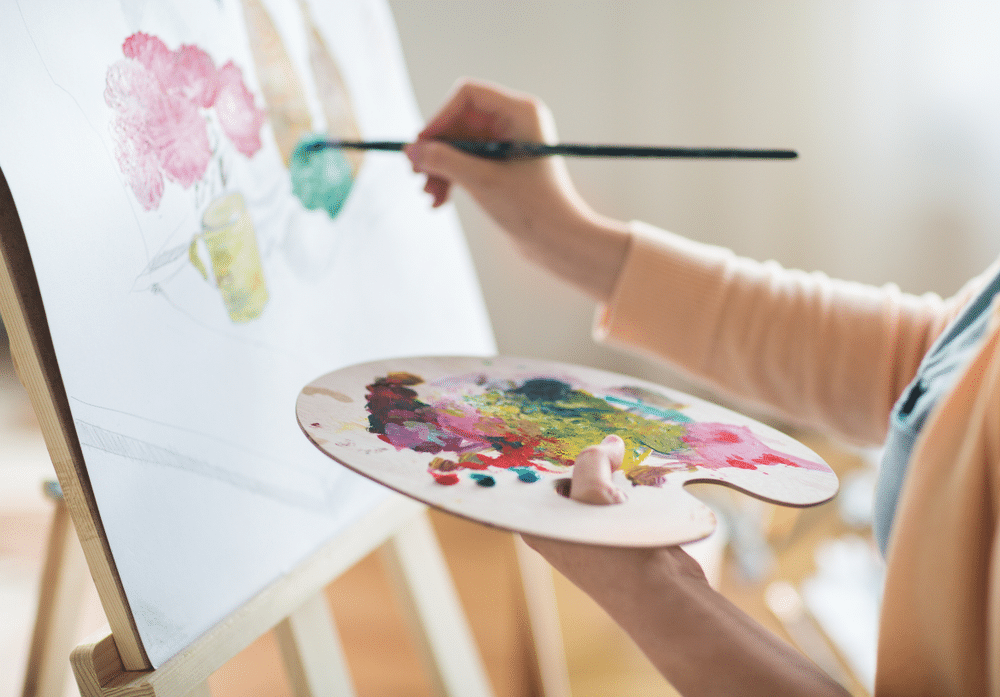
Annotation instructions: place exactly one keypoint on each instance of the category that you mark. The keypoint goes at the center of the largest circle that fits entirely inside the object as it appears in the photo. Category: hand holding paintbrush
(507, 150)
(494, 143)
(532, 199)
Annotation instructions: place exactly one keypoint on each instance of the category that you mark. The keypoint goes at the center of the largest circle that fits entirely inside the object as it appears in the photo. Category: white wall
(892, 105)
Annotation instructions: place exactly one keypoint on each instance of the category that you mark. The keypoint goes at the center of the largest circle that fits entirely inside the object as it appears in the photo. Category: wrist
(630, 583)
(667, 575)
(584, 248)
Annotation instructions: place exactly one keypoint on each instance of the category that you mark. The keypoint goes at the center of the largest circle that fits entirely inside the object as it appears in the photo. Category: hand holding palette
(494, 439)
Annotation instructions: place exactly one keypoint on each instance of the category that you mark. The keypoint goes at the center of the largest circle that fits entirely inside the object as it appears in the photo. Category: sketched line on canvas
(115, 443)
(173, 427)
(83, 114)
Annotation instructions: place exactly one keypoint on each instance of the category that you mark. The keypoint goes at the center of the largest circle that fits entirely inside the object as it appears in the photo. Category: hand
(592, 472)
(601, 570)
(480, 111)
(533, 200)
(661, 598)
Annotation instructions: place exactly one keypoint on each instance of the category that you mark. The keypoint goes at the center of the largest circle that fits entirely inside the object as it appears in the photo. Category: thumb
(591, 482)
(614, 447)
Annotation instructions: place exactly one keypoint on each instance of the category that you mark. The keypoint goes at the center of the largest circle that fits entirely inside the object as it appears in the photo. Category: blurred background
(893, 106)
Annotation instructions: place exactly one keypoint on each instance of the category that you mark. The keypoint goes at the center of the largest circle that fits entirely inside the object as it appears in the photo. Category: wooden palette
(489, 438)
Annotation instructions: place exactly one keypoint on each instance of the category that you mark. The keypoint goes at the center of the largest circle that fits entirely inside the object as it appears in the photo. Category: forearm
(816, 350)
(699, 640)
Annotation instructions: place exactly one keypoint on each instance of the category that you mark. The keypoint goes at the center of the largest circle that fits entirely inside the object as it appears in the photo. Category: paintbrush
(520, 150)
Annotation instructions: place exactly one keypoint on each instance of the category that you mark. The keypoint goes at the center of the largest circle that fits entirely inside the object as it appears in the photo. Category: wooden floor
(600, 659)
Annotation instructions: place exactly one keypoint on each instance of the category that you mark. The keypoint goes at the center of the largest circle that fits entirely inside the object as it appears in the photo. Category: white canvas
(184, 407)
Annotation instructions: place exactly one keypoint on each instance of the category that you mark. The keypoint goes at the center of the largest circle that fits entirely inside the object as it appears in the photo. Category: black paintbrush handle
(655, 151)
(516, 150)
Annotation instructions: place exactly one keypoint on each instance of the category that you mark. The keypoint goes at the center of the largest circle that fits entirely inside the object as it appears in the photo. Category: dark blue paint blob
(556, 398)
(544, 389)
(483, 479)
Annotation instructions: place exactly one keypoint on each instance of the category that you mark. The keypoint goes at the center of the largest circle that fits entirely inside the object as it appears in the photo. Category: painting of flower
(163, 101)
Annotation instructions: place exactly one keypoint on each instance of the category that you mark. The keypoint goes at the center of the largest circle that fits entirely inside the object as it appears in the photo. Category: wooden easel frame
(37, 368)
(294, 605)
(62, 587)
(115, 663)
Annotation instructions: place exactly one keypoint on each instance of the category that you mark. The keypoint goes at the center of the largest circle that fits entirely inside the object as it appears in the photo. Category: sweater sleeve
(813, 350)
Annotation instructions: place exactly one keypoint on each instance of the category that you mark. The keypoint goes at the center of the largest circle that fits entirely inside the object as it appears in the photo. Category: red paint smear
(774, 459)
(738, 462)
(520, 457)
(506, 459)
(727, 437)
(445, 479)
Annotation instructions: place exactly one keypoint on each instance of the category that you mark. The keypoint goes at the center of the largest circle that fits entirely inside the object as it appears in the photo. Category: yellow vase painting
(228, 235)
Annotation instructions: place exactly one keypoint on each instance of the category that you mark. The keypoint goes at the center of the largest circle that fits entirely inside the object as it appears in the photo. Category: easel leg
(418, 570)
(60, 594)
(543, 633)
(314, 659)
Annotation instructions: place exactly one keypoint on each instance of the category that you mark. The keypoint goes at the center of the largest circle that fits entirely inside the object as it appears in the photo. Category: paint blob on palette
(494, 439)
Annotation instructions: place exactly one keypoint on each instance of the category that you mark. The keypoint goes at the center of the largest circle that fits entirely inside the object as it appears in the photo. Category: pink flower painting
(163, 101)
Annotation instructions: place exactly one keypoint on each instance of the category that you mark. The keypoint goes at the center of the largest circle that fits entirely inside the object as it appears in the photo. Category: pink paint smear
(724, 445)
(160, 126)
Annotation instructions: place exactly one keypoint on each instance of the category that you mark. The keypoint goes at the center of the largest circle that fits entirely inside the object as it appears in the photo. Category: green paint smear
(322, 178)
(559, 423)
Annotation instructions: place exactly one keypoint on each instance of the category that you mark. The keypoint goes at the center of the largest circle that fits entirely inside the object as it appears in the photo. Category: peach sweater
(837, 355)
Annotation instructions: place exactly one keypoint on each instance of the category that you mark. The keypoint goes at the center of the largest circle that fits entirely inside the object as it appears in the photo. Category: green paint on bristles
(321, 179)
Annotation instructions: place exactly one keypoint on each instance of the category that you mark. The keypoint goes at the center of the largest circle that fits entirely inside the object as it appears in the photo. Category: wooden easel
(115, 662)
(295, 606)
(61, 588)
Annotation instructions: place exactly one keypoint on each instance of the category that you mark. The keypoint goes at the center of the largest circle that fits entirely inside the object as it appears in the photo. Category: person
(871, 364)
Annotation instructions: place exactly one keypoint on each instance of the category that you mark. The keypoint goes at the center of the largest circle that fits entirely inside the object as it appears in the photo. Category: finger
(615, 448)
(464, 113)
(441, 162)
(592, 481)
(478, 110)
(438, 188)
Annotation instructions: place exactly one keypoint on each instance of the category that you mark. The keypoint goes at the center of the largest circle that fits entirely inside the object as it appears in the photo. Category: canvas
(494, 440)
(199, 265)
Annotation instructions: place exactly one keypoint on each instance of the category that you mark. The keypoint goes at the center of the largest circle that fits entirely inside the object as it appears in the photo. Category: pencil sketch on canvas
(199, 264)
